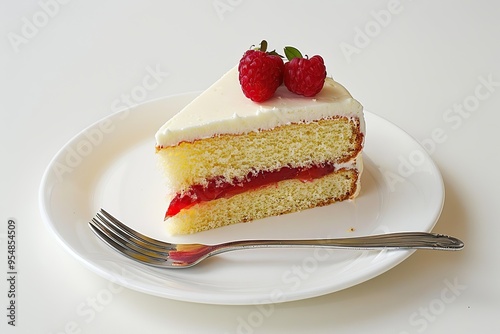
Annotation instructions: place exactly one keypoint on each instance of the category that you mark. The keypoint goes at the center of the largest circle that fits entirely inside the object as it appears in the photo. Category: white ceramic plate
(112, 165)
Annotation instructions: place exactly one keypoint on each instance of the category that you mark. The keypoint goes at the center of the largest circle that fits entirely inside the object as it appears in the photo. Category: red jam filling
(217, 188)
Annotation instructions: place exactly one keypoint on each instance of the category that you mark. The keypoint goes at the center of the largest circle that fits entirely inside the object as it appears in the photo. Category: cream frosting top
(224, 109)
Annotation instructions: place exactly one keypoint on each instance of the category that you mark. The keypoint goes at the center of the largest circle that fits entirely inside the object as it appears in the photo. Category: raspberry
(302, 75)
(260, 73)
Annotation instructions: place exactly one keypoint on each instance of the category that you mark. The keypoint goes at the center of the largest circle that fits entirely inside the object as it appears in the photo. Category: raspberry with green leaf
(304, 76)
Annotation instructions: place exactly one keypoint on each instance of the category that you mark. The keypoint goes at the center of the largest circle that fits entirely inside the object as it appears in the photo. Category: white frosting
(224, 109)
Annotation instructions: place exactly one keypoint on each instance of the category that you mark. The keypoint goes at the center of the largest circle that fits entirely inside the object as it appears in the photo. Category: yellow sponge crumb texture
(284, 197)
(232, 157)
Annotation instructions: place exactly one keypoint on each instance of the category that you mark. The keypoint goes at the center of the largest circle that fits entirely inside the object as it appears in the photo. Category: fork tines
(129, 242)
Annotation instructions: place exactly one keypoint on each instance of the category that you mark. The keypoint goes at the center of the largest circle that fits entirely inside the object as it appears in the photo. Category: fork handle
(400, 240)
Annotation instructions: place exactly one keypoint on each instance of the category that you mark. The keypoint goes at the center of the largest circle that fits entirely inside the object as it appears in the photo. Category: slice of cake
(229, 160)
(268, 138)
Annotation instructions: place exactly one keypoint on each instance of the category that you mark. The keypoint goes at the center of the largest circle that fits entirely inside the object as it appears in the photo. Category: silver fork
(167, 255)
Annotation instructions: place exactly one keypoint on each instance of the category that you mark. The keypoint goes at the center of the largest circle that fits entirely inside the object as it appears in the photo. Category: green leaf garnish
(291, 52)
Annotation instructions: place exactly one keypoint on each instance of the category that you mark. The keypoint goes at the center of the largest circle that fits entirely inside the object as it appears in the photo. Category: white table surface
(431, 67)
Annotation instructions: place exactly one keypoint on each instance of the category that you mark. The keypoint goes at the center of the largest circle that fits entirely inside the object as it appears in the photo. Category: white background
(424, 65)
